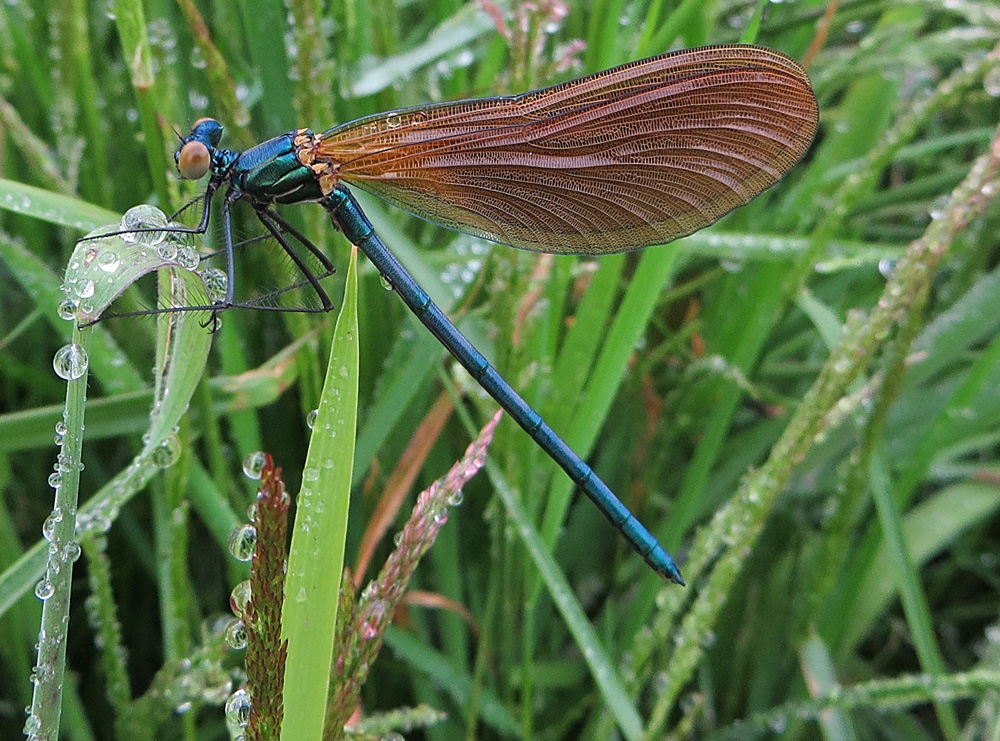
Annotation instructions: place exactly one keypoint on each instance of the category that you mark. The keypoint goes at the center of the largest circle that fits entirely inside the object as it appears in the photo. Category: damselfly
(623, 159)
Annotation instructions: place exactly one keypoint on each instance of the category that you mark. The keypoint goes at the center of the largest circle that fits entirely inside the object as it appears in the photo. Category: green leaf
(316, 559)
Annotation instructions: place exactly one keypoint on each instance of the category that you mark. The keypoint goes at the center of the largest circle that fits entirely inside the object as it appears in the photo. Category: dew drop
(143, 217)
(166, 453)
(85, 289)
(32, 726)
(311, 418)
(49, 526)
(243, 542)
(71, 552)
(70, 362)
(44, 589)
(187, 258)
(239, 598)
(254, 464)
(109, 261)
(238, 710)
(216, 283)
(67, 309)
(236, 635)
(167, 251)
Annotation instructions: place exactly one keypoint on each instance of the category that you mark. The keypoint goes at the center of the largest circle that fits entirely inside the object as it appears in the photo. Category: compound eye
(193, 160)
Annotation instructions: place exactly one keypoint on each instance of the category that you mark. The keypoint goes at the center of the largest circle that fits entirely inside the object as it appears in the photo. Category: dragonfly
(631, 157)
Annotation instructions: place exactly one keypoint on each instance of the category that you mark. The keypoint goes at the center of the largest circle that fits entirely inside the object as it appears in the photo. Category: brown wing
(638, 155)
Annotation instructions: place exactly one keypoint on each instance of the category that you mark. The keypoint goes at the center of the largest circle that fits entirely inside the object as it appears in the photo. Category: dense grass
(802, 402)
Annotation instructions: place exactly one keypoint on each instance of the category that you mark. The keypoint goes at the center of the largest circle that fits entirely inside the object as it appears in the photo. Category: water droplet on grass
(238, 710)
(236, 635)
(143, 217)
(109, 261)
(67, 309)
(70, 362)
(254, 464)
(44, 589)
(243, 542)
(240, 597)
(166, 453)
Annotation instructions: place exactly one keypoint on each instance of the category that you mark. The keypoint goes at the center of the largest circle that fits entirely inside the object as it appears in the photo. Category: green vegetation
(802, 402)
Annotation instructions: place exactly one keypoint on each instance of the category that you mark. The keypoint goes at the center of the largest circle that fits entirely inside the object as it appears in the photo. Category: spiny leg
(201, 228)
(227, 230)
(203, 221)
(286, 226)
(153, 312)
(258, 303)
(266, 217)
(273, 232)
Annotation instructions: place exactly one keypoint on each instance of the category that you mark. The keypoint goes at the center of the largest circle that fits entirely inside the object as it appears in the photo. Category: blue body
(270, 173)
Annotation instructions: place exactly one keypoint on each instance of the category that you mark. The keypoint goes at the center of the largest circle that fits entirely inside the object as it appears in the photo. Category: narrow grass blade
(316, 560)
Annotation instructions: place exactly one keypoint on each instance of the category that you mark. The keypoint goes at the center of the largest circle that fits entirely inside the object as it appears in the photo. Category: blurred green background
(674, 371)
